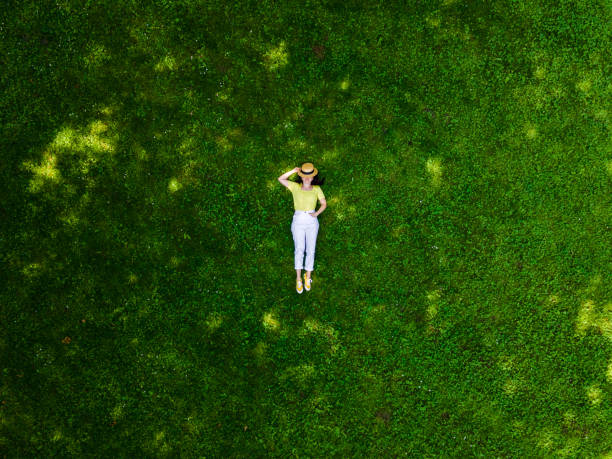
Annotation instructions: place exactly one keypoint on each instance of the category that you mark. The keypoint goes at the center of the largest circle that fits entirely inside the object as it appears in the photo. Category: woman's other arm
(322, 208)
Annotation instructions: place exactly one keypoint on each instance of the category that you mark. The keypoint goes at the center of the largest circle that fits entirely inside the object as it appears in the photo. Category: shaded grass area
(461, 303)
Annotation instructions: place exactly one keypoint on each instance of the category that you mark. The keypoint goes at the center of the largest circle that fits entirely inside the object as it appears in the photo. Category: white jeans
(305, 229)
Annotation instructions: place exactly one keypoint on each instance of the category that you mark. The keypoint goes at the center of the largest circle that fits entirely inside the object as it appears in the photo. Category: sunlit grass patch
(277, 57)
(140, 153)
(285, 127)
(224, 143)
(556, 91)
(546, 439)
(47, 168)
(454, 28)
(272, 184)
(529, 130)
(174, 185)
(117, 411)
(330, 155)
(57, 435)
(172, 358)
(434, 295)
(166, 63)
(398, 231)
(594, 394)
(44, 172)
(186, 177)
(270, 321)
(512, 386)
(590, 316)
(540, 95)
(600, 114)
(569, 417)
(65, 138)
(609, 167)
(540, 72)
(97, 127)
(606, 318)
(96, 56)
(553, 299)
(320, 404)
(536, 96)
(32, 269)
(223, 96)
(214, 321)
(297, 144)
(351, 211)
(298, 374)
(584, 85)
(160, 442)
(108, 110)
(586, 316)
(432, 307)
(96, 143)
(236, 134)
(434, 168)
(70, 218)
(570, 448)
(345, 84)
(314, 326)
(311, 325)
(175, 261)
(506, 362)
(375, 317)
(188, 145)
(338, 204)
(433, 20)
(268, 244)
(86, 144)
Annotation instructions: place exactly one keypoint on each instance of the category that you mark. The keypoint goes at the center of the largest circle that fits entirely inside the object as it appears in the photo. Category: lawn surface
(462, 295)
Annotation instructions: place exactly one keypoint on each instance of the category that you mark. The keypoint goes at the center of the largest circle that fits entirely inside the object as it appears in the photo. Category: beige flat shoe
(307, 283)
(298, 286)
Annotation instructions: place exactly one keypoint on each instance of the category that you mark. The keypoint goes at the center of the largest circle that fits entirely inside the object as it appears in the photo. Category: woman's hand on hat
(296, 169)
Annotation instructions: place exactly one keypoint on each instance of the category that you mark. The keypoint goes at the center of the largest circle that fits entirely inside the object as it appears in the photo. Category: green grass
(462, 302)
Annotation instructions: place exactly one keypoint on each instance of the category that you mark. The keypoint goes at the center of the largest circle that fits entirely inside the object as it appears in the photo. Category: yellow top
(305, 199)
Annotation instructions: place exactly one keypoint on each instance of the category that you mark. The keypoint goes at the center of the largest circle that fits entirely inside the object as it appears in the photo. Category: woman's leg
(299, 241)
(311, 242)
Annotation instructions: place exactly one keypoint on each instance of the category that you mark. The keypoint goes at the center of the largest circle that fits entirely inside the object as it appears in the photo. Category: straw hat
(308, 170)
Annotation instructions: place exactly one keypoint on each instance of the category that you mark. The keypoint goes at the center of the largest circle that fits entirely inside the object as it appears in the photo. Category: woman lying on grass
(305, 224)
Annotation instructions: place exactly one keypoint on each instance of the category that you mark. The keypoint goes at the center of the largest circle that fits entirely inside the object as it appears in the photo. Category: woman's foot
(298, 285)
(307, 283)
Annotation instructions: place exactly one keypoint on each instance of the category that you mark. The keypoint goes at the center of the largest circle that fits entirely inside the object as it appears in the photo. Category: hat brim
(316, 171)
